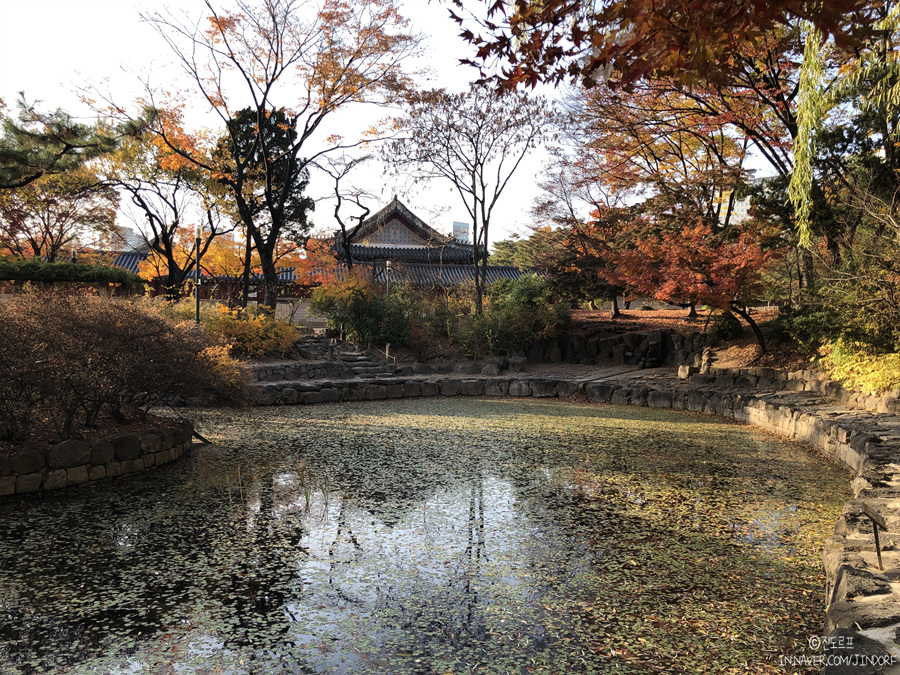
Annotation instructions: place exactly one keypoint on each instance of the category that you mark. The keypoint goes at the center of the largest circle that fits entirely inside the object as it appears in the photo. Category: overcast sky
(49, 48)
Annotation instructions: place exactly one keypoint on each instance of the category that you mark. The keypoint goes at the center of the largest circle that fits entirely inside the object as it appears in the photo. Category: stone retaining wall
(605, 348)
(798, 380)
(75, 462)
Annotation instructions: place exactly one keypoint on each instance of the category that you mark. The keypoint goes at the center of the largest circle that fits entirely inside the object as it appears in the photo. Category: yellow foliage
(855, 367)
(225, 368)
(252, 333)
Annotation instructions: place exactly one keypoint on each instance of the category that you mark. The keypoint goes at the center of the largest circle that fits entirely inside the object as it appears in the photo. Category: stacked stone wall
(75, 462)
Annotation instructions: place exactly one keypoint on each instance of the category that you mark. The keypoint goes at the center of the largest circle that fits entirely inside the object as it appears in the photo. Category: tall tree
(321, 55)
(55, 214)
(476, 140)
(169, 197)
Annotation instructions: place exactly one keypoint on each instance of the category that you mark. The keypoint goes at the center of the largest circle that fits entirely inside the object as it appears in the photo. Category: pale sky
(50, 48)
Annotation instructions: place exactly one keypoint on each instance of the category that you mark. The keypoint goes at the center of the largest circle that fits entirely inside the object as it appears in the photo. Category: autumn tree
(168, 198)
(56, 213)
(320, 57)
(476, 140)
(622, 41)
(696, 265)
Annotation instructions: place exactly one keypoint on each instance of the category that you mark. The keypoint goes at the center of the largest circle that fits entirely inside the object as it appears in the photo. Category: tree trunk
(745, 315)
(693, 313)
(615, 314)
(807, 271)
(245, 275)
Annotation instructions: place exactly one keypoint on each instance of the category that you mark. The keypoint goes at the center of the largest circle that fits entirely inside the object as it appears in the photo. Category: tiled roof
(447, 275)
(447, 253)
(396, 209)
(130, 260)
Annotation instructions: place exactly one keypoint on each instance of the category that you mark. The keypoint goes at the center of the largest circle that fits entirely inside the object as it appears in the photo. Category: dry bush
(72, 357)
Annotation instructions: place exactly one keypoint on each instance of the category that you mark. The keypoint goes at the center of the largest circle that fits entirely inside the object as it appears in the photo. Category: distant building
(396, 239)
(461, 232)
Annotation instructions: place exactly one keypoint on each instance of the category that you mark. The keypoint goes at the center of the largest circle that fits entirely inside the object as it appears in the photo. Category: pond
(430, 536)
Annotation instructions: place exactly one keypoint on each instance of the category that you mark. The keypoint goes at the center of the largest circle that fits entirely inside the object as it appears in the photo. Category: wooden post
(877, 521)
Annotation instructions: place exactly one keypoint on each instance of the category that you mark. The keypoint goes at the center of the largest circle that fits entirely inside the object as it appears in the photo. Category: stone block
(620, 396)
(127, 447)
(77, 475)
(565, 388)
(55, 480)
(443, 369)
(412, 389)
(376, 392)
(27, 460)
(8, 485)
(490, 369)
(149, 460)
(450, 387)
(467, 369)
(150, 443)
(289, 396)
(619, 353)
(331, 395)
(746, 381)
(430, 389)
(127, 466)
(406, 371)
(5, 464)
(422, 369)
(850, 653)
(519, 388)
(97, 473)
(600, 393)
(866, 615)
(516, 364)
(29, 482)
(356, 393)
(137, 464)
(543, 388)
(554, 353)
(496, 387)
(114, 469)
(472, 388)
(852, 583)
(102, 452)
(695, 401)
(659, 399)
(68, 454)
(639, 396)
(395, 391)
(684, 372)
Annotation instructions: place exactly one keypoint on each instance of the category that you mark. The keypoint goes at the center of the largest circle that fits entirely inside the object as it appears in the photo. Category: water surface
(430, 536)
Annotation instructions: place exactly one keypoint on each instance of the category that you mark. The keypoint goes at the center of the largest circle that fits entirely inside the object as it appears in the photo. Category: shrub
(856, 366)
(253, 333)
(521, 311)
(249, 331)
(810, 325)
(71, 358)
(358, 308)
(725, 326)
(21, 269)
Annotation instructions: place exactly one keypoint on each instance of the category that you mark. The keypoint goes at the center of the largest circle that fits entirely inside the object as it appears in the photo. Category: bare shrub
(72, 357)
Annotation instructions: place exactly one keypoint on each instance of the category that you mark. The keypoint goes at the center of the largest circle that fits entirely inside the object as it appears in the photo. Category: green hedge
(66, 272)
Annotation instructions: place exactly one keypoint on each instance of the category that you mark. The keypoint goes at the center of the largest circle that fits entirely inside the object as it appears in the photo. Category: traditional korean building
(396, 241)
